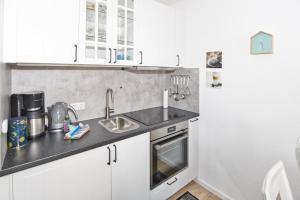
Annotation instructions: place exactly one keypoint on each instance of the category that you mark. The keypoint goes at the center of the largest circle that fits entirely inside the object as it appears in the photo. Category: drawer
(170, 187)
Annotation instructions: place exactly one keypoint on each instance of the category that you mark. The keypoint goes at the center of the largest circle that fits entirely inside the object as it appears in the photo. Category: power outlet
(78, 106)
(4, 126)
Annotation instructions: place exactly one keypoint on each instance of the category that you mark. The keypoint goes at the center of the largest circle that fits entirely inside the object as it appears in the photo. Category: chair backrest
(276, 185)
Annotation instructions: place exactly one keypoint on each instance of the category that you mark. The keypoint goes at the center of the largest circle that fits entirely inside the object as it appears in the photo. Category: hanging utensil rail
(179, 87)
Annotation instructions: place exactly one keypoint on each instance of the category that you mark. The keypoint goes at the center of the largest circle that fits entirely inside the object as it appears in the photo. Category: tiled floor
(196, 190)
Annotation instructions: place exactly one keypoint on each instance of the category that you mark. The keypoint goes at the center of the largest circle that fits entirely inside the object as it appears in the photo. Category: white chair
(276, 185)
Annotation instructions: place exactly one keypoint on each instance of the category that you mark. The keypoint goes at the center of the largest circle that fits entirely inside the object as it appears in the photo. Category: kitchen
(231, 129)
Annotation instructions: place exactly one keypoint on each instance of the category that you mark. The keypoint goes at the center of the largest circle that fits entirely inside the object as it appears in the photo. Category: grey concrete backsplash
(132, 91)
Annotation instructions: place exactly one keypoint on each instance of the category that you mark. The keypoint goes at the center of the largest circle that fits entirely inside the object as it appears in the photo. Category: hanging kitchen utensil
(187, 90)
(179, 87)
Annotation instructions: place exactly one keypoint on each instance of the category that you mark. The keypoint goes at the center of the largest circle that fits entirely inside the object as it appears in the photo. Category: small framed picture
(261, 43)
(213, 79)
(214, 59)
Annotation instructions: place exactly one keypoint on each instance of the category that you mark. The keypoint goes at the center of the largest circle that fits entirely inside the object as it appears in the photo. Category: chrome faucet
(108, 110)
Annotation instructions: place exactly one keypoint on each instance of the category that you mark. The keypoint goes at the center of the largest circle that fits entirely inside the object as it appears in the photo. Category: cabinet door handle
(115, 160)
(108, 163)
(76, 51)
(110, 56)
(172, 181)
(178, 60)
(115, 55)
(194, 120)
(141, 58)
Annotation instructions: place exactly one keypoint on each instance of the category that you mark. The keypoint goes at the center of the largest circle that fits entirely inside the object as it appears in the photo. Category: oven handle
(160, 146)
(181, 132)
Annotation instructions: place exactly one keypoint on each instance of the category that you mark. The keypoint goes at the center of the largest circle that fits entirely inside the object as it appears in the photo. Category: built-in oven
(169, 152)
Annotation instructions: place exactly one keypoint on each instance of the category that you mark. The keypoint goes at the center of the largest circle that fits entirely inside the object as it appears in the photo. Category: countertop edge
(28, 165)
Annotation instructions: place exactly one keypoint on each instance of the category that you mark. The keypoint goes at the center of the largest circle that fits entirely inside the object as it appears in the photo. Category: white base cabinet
(193, 147)
(131, 169)
(4, 188)
(170, 187)
(82, 176)
(113, 172)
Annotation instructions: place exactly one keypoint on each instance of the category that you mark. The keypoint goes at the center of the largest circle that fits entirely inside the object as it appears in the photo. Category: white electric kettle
(58, 113)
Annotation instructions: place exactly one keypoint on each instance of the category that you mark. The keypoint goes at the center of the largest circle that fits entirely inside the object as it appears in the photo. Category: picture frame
(261, 43)
(214, 59)
(214, 79)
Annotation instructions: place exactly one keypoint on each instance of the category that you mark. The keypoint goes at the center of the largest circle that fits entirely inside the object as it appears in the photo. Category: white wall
(254, 120)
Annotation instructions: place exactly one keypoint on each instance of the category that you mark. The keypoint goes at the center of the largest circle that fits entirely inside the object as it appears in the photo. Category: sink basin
(118, 124)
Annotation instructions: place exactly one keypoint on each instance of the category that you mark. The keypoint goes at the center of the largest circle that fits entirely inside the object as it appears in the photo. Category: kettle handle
(46, 116)
(72, 109)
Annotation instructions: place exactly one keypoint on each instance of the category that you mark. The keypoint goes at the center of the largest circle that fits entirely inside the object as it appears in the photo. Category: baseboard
(213, 190)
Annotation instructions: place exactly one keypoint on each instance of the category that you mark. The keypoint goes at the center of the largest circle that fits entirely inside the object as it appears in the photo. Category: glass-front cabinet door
(96, 32)
(123, 40)
(107, 32)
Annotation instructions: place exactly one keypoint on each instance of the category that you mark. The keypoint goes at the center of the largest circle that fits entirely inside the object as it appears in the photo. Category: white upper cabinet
(107, 32)
(123, 34)
(95, 32)
(156, 33)
(180, 33)
(99, 32)
(47, 31)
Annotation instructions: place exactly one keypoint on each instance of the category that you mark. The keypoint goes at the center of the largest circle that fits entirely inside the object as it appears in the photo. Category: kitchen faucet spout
(109, 103)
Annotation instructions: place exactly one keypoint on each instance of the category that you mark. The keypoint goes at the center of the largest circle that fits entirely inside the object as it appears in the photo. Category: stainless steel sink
(118, 124)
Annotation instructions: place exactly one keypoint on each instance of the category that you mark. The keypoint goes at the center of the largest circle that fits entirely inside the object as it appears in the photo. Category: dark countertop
(52, 146)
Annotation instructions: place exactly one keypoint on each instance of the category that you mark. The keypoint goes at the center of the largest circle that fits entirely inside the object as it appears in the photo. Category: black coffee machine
(31, 105)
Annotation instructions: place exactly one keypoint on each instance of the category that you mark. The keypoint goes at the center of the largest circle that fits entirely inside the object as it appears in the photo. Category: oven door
(169, 156)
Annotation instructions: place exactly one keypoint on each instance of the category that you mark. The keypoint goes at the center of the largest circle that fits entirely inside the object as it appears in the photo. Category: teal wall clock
(262, 43)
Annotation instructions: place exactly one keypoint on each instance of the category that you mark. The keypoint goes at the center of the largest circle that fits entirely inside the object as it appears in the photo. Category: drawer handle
(115, 55)
(110, 52)
(194, 120)
(141, 59)
(172, 181)
(115, 160)
(76, 54)
(108, 163)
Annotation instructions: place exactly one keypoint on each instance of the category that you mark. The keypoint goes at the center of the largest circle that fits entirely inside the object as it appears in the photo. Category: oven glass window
(168, 158)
